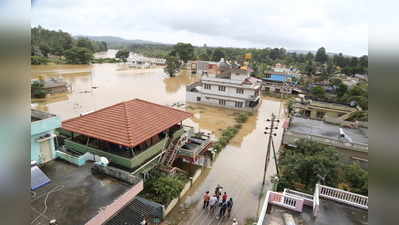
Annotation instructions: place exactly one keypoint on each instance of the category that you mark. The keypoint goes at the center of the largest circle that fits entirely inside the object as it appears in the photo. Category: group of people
(219, 199)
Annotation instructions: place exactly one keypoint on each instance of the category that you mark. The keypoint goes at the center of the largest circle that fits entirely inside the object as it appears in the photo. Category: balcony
(126, 162)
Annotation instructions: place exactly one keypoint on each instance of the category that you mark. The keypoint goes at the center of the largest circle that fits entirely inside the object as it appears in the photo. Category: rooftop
(331, 212)
(40, 115)
(127, 123)
(74, 195)
(328, 105)
(320, 128)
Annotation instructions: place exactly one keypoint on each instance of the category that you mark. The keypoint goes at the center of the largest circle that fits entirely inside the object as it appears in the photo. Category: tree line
(321, 63)
(61, 47)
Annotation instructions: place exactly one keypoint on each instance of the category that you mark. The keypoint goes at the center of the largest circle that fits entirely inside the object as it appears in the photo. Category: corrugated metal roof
(127, 123)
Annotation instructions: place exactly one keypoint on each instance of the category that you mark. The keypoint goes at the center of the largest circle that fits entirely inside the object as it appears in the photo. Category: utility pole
(271, 134)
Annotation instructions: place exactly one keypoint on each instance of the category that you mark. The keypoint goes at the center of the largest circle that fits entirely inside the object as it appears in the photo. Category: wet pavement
(238, 168)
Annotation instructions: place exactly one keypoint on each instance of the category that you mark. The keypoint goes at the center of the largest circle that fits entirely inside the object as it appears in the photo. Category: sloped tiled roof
(127, 123)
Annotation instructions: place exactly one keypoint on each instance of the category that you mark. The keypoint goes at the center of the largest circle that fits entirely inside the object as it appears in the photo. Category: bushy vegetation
(39, 60)
(302, 167)
(230, 132)
(163, 188)
(78, 55)
(37, 90)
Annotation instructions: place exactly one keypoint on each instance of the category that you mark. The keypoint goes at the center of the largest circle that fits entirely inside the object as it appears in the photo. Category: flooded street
(238, 168)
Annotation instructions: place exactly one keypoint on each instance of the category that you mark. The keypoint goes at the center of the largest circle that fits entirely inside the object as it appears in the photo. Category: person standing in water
(213, 203)
(206, 200)
(229, 207)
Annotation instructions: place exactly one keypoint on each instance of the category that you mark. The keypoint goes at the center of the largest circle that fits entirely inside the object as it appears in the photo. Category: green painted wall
(125, 162)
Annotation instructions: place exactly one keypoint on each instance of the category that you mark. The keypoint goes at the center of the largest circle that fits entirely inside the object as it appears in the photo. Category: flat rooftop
(74, 195)
(40, 115)
(330, 213)
(323, 129)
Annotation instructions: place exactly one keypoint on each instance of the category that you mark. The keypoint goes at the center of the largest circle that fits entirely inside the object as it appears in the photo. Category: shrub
(38, 60)
(163, 188)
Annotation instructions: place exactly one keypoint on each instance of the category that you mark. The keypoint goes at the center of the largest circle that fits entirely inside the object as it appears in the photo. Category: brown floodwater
(238, 168)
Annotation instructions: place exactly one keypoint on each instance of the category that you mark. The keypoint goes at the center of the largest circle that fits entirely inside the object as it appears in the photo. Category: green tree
(172, 65)
(321, 55)
(164, 189)
(85, 43)
(341, 90)
(203, 57)
(218, 54)
(309, 56)
(310, 68)
(275, 53)
(122, 54)
(78, 55)
(307, 164)
(356, 178)
(318, 91)
(184, 51)
(38, 60)
(37, 90)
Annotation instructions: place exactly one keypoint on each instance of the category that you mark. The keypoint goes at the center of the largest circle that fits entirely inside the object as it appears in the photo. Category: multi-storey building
(226, 87)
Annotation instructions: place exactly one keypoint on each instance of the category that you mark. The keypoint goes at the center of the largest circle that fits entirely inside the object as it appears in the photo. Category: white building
(230, 88)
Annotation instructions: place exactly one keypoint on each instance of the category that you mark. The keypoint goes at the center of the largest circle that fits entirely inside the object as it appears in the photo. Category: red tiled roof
(127, 123)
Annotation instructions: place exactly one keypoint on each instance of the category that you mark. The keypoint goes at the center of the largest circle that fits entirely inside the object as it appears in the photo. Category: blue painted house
(277, 76)
(43, 126)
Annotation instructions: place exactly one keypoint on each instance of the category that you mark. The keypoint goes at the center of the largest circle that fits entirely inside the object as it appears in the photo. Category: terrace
(75, 196)
(326, 206)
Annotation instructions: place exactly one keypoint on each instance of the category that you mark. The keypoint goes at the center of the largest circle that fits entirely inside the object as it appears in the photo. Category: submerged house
(228, 86)
(128, 134)
(43, 127)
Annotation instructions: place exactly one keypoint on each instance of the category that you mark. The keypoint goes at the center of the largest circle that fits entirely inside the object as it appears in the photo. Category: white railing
(346, 197)
(316, 200)
(262, 215)
(308, 199)
(286, 201)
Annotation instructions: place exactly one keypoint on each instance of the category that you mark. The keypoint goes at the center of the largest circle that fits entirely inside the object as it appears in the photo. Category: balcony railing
(286, 201)
(119, 160)
(346, 197)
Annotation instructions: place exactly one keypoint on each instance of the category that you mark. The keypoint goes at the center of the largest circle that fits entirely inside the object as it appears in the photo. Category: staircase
(171, 151)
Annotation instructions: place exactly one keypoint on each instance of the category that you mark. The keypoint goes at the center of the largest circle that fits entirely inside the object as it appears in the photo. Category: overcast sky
(338, 25)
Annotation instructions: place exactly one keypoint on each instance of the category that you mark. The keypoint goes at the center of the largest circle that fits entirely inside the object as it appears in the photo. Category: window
(238, 104)
(268, 76)
(222, 88)
(240, 91)
(198, 99)
(207, 86)
(320, 114)
(222, 102)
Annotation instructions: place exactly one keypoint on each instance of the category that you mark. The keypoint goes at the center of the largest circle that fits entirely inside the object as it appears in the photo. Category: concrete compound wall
(186, 188)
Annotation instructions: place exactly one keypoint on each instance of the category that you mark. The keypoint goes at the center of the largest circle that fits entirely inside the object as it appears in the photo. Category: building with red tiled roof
(128, 134)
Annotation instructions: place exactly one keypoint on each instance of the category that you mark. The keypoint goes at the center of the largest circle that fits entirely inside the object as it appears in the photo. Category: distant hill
(113, 41)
